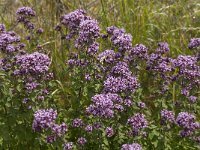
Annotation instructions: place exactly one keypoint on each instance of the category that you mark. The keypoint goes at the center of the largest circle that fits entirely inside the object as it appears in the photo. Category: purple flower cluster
(189, 70)
(187, 122)
(194, 43)
(88, 32)
(59, 130)
(109, 132)
(134, 146)
(163, 48)
(25, 11)
(93, 49)
(120, 39)
(44, 119)
(138, 121)
(77, 123)
(33, 64)
(167, 116)
(81, 141)
(8, 41)
(68, 146)
(138, 51)
(24, 14)
(160, 64)
(107, 56)
(104, 104)
(120, 79)
(89, 128)
(73, 19)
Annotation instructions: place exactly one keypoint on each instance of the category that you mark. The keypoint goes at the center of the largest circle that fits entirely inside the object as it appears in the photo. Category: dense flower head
(27, 11)
(134, 146)
(167, 115)
(194, 43)
(185, 61)
(34, 64)
(50, 139)
(121, 69)
(68, 146)
(23, 16)
(93, 48)
(186, 120)
(77, 123)
(89, 128)
(141, 104)
(163, 48)
(8, 41)
(30, 86)
(120, 84)
(128, 102)
(44, 118)
(138, 51)
(81, 141)
(120, 39)
(109, 132)
(160, 64)
(107, 56)
(89, 31)
(73, 19)
(59, 130)
(138, 121)
(103, 105)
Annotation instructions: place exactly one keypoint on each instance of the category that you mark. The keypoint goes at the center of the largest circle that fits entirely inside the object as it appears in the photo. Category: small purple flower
(138, 121)
(68, 146)
(107, 56)
(192, 99)
(26, 11)
(93, 48)
(167, 115)
(128, 102)
(43, 119)
(109, 132)
(163, 48)
(77, 123)
(185, 119)
(87, 77)
(40, 31)
(59, 130)
(81, 141)
(134, 146)
(50, 139)
(194, 43)
(89, 128)
(141, 104)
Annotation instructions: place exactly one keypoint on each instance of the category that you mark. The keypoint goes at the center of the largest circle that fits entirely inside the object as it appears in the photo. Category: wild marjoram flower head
(167, 116)
(88, 32)
(134, 146)
(138, 122)
(24, 14)
(120, 39)
(120, 79)
(44, 119)
(194, 43)
(103, 105)
(33, 64)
